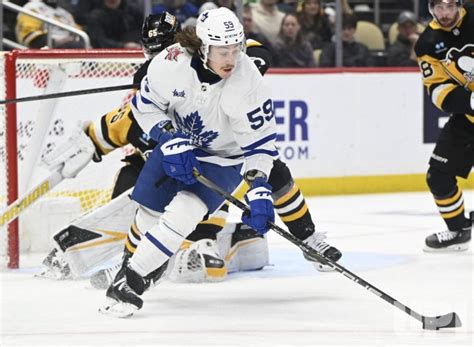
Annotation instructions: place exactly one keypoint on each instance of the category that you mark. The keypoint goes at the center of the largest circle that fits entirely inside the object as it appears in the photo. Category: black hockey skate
(102, 279)
(316, 241)
(123, 296)
(450, 241)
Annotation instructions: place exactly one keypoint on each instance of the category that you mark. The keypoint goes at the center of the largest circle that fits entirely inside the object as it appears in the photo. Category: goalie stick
(19, 205)
(449, 320)
(71, 93)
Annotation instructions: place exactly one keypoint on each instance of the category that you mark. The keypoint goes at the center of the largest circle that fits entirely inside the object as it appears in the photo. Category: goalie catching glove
(72, 156)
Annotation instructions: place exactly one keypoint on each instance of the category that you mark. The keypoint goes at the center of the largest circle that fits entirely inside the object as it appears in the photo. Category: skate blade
(454, 248)
(118, 309)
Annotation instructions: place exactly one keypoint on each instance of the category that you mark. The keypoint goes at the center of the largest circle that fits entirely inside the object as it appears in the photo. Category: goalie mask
(445, 12)
(219, 27)
(158, 32)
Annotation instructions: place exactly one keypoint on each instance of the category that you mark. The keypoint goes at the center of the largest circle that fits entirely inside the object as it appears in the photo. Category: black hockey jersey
(446, 60)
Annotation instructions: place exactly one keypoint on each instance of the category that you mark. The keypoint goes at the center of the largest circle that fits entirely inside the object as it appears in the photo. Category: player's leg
(164, 238)
(453, 156)
(291, 206)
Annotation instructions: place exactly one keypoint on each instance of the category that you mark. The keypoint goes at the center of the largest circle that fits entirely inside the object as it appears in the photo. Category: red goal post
(29, 129)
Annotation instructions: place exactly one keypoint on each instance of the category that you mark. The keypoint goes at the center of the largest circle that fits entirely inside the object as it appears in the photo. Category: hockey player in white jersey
(222, 112)
(77, 251)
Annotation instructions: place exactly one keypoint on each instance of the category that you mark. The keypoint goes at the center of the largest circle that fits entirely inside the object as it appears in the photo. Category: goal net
(30, 129)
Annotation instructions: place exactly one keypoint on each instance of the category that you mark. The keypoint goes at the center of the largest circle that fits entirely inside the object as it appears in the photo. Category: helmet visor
(226, 55)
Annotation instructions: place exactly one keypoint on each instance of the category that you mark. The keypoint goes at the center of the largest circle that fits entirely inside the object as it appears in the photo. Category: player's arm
(253, 124)
(446, 93)
(149, 107)
(116, 129)
(254, 128)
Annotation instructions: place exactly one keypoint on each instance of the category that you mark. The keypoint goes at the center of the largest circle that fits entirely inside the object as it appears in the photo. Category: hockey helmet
(158, 32)
(218, 27)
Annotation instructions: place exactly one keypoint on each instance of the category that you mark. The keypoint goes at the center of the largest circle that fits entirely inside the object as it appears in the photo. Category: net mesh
(43, 125)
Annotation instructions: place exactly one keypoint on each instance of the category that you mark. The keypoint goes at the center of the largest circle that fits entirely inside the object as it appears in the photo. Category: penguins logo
(459, 65)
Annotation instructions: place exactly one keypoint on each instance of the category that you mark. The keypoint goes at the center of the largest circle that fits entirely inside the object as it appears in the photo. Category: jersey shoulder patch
(173, 52)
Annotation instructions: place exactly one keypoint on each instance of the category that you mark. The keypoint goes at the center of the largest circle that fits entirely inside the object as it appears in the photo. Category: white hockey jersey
(229, 122)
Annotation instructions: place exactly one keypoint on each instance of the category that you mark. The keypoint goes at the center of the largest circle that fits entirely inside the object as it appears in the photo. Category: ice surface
(288, 303)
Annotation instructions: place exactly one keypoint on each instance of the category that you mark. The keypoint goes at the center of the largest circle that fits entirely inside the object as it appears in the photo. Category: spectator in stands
(291, 49)
(330, 10)
(80, 9)
(9, 20)
(354, 53)
(402, 52)
(33, 33)
(182, 9)
(267, 19)
(247, 23)
(117, 24)
(315, 24)
(288, 6)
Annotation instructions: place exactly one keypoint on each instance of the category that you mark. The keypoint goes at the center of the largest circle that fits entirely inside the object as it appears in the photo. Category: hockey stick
(71, 93)
(450, 320)
(22, 203)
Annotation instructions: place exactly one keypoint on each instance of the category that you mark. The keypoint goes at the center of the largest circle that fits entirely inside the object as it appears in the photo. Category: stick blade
(450, 320)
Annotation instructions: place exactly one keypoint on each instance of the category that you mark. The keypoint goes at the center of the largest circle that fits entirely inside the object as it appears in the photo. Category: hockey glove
(161, 131)
(259, 198)
(71, 156)
(179, 160)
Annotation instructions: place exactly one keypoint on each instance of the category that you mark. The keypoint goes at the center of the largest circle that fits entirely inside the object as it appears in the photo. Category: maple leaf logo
(191, 125)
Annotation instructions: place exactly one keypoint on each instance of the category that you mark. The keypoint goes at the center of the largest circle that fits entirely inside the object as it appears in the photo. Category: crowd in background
(300, 33)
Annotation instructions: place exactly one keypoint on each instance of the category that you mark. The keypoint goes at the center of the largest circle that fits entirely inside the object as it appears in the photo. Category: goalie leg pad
(162, 240)
(199, 261)
(248, 249)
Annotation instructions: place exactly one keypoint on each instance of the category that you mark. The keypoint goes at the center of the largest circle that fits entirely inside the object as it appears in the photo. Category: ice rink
(286, 304)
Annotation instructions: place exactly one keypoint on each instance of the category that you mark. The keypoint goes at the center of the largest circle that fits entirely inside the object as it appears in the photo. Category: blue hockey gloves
(259, 198)
(179, 160)
(162, 131)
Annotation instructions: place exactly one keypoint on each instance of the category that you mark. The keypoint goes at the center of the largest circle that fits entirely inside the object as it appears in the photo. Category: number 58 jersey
(229, 121)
